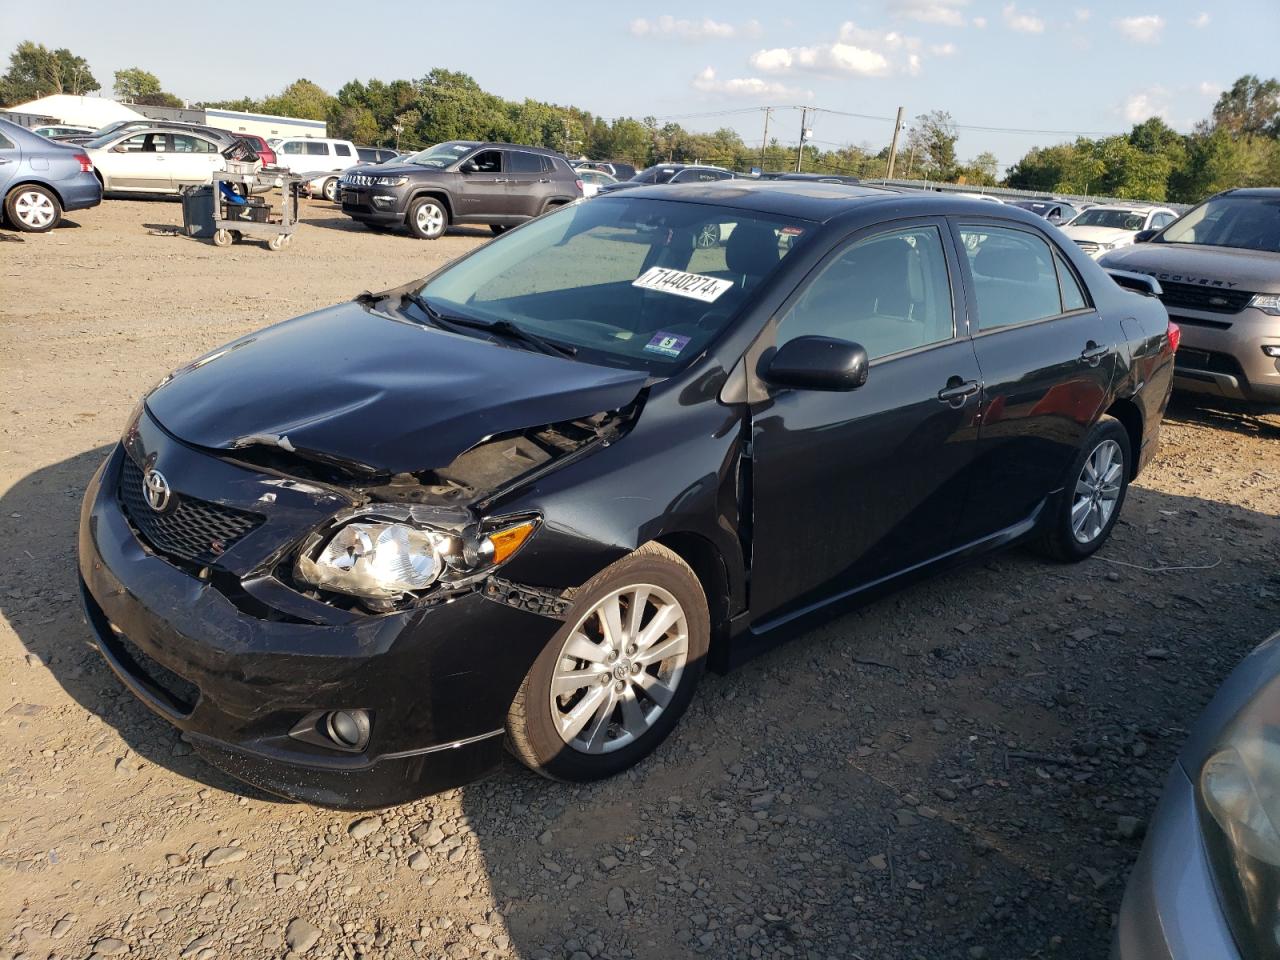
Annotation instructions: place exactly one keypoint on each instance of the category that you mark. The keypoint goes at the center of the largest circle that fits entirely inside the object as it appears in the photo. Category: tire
(498, 229)
(428, 219)
(276, 243)
(1080, 523)
(329, 189)
(612, 736)
(32, 208)
(222, 238)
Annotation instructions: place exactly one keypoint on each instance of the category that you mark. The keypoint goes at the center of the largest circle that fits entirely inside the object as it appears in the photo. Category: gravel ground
(962, 770)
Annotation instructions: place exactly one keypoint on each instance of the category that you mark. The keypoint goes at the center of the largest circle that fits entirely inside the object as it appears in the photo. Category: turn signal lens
(1175, 336)
(506, 542)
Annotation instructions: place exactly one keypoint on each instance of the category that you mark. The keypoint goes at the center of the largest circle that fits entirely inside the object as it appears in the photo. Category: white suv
(1101, 229)
(317, 156)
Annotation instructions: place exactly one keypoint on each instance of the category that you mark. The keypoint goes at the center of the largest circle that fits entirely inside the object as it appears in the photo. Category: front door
(852, 487)
(1047, 359)
(484, 187)
(140, 162)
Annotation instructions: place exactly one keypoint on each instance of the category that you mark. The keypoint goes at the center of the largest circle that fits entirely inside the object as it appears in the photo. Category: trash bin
(197, 212)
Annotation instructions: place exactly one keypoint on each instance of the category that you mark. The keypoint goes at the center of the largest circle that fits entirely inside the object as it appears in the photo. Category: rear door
(1047, 359)
(529, 185)
(192, 159)
(852, 487)
(10, 162)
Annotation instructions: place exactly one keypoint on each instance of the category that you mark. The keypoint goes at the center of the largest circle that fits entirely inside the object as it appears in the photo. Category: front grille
(1195, 297)
(358, 180)
(193, 530)
(1088, 246)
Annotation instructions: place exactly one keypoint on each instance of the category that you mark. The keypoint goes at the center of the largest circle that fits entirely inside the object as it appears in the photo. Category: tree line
(1238, 145)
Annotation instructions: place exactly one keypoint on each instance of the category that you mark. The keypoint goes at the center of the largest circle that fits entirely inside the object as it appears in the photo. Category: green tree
(302, 99)
(934, 140)
(36, 71)
(143, 87)
(1250, 106)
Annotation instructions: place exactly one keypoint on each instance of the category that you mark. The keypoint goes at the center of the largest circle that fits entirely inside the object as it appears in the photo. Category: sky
(1057, 68)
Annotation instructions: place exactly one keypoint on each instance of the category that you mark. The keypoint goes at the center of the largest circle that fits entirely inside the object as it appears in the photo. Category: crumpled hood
(1230, 269)
(357, 386)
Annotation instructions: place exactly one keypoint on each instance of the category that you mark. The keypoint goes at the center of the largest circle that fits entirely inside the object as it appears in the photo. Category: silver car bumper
(1170, 909)
(1221, 355)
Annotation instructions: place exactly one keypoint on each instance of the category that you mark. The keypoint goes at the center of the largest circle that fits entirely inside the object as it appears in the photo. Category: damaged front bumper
(237, 671)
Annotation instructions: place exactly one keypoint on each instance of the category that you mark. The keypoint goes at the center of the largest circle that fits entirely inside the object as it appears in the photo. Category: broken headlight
(385, 558)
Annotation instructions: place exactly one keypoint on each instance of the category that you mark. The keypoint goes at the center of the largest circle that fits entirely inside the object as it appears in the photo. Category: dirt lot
(963, 770)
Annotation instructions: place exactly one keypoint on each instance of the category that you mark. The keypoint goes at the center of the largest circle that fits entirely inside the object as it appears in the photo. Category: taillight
(86, 165)
(1175, 336)
(579, 183)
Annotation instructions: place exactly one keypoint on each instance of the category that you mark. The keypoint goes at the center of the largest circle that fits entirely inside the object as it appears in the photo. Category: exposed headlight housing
(386, 555)
(1239, 796)
(1267, 303)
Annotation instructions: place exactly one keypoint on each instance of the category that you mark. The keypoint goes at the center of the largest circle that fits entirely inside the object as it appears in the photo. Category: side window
(488, 161)
(316, 149)
(714, 175)
(685, 176)
(5, 142)
(1160, 220)
(342, 150)
(520, 162)
(291, 146)
(1072, 296)
(1014, 277)
(157, 143)
(134, 144)
(890, 293)
(183, 143)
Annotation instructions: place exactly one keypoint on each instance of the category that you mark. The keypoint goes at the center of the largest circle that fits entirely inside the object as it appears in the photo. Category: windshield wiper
(504, 329)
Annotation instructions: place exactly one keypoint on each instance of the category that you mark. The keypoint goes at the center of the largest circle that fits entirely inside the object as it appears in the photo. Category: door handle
(1092, 354)
(957, 391)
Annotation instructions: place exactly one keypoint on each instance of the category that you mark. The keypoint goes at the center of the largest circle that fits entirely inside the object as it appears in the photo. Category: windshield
(1249, 223)
(1116, 219)
(441, 155)
(658, 174)
(641, 284)
(104, 140)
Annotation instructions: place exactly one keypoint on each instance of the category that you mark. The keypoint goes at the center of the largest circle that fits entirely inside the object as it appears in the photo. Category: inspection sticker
(667, 344)
(692, 285)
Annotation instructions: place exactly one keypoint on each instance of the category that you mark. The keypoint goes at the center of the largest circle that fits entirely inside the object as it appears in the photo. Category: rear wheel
(330, 189)
(497, 228)
(428, 218)
(32, 208)
(1093, 494)
(614, 681)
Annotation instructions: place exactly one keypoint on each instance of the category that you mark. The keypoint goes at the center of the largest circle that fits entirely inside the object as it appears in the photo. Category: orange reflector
(508, 541)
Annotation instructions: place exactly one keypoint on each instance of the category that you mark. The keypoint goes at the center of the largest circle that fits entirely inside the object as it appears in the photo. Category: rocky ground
(963, 770)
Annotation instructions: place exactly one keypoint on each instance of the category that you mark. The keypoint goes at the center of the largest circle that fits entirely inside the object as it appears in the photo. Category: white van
(317, 155)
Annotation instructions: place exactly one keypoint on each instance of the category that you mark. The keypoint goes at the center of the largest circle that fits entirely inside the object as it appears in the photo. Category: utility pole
(893, 147)
(764, 141)
(911, 160)
(804, 120)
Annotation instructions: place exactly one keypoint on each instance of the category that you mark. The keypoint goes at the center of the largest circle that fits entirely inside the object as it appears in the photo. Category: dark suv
(461, 181)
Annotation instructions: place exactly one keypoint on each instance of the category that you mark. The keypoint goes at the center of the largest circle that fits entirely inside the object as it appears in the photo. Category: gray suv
(461, 181)
(1219, 265)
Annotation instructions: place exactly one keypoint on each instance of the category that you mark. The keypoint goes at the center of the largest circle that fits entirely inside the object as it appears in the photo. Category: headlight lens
(385, 559)
(1267, 303)
(1240, 793)
(391, 181)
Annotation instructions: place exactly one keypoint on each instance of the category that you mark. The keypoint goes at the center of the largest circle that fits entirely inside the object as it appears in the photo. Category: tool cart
(239, 213)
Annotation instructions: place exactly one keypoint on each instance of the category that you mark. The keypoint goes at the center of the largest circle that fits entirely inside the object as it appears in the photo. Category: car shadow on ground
(347, 225)
(945, 773)
(1224, 415)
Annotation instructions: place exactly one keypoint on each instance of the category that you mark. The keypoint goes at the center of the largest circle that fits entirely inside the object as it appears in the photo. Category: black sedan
(527, 500)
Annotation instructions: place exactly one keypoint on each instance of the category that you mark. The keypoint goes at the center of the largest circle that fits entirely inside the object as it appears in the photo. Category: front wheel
(1094, 492)
(330, 189)
(33, 209)
(613, 682)
(497, 229)
(428, 218)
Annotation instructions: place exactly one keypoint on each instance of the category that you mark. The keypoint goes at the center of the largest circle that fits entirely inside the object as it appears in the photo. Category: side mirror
(468, 166)
(1142, 236)
(817, 363)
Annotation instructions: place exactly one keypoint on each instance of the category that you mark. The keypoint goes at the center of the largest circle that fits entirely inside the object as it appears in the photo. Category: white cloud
(1083, 14)
(1022, 22)
(943, 49)
(1139, 106)
(1143, 29)
(867, 53)
(1200, 21)
(1209, 89)
(980, 22)
(948, 12)
(748, 87)
(704, 29)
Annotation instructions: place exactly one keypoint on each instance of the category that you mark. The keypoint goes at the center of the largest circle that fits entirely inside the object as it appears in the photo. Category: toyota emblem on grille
(156, 488)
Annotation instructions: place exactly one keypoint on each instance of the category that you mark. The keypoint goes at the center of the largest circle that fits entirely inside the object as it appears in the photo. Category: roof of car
(819, 202)
(1260, 193)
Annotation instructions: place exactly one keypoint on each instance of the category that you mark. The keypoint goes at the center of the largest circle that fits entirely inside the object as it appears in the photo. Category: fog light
(384, 200)
(349, 729)
(1271, 349)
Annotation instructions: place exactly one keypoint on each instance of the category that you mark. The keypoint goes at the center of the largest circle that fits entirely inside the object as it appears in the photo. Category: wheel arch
(708, 566)
(1130, 417)
(436, 193)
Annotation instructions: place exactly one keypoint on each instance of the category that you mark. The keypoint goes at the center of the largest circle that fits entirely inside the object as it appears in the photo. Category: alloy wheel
(1097, 490)
(619, 668)
(34, 209)
(430, 219)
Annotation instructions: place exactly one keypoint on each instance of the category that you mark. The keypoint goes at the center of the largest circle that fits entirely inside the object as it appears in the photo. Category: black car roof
(1257, 193)
(820, 202)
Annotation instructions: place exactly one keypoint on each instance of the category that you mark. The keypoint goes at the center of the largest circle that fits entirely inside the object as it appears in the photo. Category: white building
(91, 112)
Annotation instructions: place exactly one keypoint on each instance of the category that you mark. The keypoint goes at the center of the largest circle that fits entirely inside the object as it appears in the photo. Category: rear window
(342, 149)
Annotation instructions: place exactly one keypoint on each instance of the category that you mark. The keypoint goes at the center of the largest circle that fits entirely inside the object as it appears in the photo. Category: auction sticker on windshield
(667, 344)
(692, 285)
